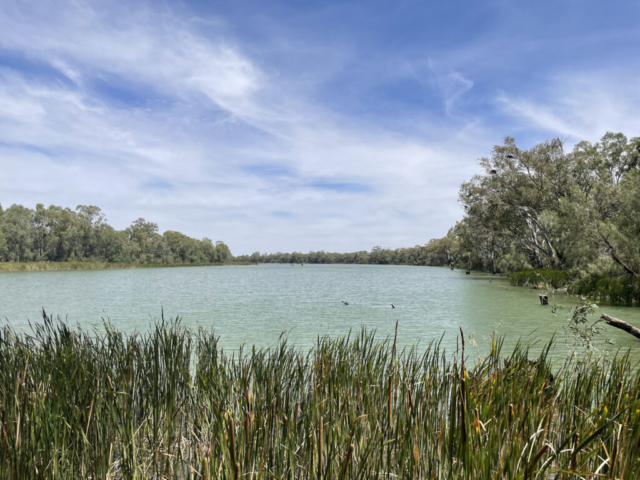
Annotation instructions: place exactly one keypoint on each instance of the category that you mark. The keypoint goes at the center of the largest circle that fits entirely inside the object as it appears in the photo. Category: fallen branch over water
(622, 325)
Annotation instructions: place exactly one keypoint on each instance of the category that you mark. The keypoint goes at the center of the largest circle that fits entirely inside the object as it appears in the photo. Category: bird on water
(393, 306)
(346, 303)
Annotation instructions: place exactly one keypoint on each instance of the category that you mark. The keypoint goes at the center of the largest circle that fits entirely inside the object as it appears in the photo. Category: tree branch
(615, 322)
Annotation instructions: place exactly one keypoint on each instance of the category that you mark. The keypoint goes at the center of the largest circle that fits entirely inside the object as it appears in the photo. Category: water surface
(255, 304)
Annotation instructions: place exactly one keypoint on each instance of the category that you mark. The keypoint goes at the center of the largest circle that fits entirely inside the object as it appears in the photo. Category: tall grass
(47, 266)
(170, 403)
(613, 289)
(540, 278)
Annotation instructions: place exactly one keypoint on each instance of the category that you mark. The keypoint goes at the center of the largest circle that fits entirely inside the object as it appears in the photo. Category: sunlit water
(255, 304)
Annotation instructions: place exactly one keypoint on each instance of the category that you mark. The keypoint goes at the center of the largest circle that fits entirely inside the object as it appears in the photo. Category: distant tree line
(57, 234)
(536, 208)
(435, 252)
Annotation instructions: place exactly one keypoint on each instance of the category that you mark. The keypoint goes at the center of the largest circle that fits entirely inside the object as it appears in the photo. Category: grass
(540, 278)
(170, 403)
(624, 290)
(47, 266)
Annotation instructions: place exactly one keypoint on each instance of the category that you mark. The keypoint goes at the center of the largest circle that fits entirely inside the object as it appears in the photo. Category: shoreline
(12, 267)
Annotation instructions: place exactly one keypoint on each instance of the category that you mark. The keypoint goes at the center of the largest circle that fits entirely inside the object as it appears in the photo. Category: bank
(618, 290)
(66, 266)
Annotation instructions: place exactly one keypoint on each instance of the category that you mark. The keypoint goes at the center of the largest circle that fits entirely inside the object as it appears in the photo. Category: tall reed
(170, 403)
(625, 290)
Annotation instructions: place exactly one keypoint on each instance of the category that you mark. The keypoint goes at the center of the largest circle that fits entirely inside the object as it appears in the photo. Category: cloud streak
(173, 114)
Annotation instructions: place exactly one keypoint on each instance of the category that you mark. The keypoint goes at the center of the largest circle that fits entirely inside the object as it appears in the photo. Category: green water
(255, 304)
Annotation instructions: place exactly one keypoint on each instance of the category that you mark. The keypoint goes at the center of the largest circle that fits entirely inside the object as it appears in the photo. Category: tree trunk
(614, 322)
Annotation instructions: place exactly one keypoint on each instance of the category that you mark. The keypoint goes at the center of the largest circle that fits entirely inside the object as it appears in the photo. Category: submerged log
(544, 300)
(615, 322)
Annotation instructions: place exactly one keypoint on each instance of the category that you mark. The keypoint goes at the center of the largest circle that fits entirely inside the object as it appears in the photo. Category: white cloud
(133, 42)
(579, 105)
(209, 114)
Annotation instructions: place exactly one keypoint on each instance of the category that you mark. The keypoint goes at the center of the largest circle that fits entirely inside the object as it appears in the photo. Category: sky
(297, 125)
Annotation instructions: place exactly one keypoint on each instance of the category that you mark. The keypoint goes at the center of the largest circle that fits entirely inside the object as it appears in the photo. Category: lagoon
(255, 304)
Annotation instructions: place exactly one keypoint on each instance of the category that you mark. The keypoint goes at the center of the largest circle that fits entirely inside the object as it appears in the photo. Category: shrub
(613, 289)
(537, 277)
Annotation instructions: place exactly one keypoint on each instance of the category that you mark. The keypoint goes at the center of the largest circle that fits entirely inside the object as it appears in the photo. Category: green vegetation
(622, 290)
(540, 278)
(60, 266)
(436, 253)
(57, 234)
(616, 290)
(545, 208)
(170, 403)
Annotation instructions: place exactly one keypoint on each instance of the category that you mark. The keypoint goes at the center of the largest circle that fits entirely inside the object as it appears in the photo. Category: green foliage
(169, 403)
(63, 266)
(612, 289)
(540, 278)
(57, 234)
(437, 252)
(560, 210)
(580, 328)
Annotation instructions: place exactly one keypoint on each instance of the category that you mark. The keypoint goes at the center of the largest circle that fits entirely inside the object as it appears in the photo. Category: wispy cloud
(348, 187)
(180, 114)
(579, 105)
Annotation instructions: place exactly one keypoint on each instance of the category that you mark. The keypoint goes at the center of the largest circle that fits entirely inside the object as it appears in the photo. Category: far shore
(66, 266)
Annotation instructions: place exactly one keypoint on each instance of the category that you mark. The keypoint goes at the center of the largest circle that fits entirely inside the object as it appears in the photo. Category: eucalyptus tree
(3, 240)
(17, 226)
(561, 209)
(519, 197)
(606, 200)
(60, 234)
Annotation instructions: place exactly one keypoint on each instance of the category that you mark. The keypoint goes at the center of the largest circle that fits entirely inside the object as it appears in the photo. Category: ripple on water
(255, 304)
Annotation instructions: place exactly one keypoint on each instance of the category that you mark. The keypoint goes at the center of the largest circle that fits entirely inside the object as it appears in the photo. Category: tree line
(435, 252)
(542, 207)
(57, 234)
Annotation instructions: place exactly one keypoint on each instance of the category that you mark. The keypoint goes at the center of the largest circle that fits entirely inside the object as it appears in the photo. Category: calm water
(255, 304)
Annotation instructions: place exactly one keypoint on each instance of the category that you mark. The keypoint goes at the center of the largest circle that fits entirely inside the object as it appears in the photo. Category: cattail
(232, 449)
(575, 453)
(390, 402)
(410, 397)
(463, 418)
(247, 427)
(206, 469)
(619, 399)
(538, 456)
(347, 461)
(321, 437)
(247, 398)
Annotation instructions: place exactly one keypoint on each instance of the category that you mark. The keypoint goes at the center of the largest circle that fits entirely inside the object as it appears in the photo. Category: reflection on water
(255, 304)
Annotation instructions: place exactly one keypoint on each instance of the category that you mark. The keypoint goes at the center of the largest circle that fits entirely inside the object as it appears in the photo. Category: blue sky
(281, 126)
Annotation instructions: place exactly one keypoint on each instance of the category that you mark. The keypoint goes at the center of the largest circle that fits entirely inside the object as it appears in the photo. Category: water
(255, 304)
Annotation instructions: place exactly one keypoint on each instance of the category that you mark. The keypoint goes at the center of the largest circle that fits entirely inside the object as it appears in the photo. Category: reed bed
(64, 266)
(624, 290)
(170, 403)
(541, 278)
